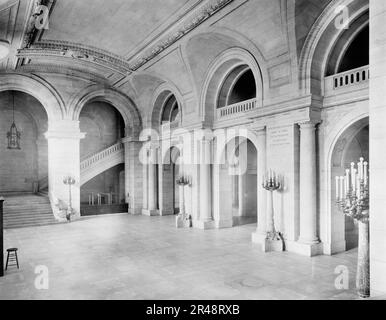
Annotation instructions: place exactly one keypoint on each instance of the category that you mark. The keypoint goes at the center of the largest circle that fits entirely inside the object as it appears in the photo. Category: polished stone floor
(137, 257)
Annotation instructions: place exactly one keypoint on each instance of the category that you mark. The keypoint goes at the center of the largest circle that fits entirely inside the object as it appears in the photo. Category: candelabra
(271, 183)
(70, 181)
(182, 220)
(352, 197)
(352, 192)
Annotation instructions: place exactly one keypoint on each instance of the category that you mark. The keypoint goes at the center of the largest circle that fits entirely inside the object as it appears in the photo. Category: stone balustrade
(347, 79)
(237, 108)
(101, 155)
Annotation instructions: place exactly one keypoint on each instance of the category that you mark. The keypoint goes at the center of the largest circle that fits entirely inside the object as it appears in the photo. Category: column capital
(131, 140)
(260, 131)
(308, 124)
(64, 135)
(64, 129)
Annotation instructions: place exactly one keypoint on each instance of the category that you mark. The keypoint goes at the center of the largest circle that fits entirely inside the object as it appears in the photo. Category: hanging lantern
(13, 135)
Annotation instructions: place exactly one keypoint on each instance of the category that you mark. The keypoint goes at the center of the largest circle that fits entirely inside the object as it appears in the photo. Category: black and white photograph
(192, 155)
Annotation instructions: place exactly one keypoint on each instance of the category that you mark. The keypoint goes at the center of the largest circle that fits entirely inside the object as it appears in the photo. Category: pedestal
(183, 222)
(150, 213)
(267, 245)
(363, 271)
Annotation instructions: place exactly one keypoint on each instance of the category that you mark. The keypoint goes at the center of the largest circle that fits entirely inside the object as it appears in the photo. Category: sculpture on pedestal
(352, 196)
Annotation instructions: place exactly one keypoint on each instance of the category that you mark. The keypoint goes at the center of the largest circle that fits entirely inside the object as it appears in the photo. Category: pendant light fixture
(13, 135)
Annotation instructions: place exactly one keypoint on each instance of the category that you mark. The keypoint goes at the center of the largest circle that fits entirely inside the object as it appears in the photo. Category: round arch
(315, 53)
(39, 89)
(121, 102)
(219, 70)
(356, 120)
(160, 97)
(231, 135)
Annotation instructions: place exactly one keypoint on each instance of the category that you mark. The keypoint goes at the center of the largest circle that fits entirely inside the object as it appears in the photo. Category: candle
(365, 173)
(347, 180)
(353, 175)
(358, 185)
(360, 166)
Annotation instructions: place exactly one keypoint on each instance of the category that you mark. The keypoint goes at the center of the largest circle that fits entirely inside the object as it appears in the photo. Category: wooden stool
(12, 257)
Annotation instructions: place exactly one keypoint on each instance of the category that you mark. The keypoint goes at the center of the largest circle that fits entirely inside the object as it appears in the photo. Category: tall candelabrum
(70, 181)
(183, 220)
(352, 197)
(271, 183)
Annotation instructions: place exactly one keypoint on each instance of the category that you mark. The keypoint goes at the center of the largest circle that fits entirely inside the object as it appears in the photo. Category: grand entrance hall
(111, 257)
(195, 149)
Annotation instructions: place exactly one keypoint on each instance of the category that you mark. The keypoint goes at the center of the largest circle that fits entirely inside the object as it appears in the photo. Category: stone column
(377, 147)
(242, 182)
(133, 175)
(206, 218)
(308, 214)
(152, 184)
(64, 160)
(261, 232)
(145, 180)
(42, 156)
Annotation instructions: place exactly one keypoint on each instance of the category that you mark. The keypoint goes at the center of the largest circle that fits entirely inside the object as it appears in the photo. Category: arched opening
(104, 190)
(170, 111)
(238, 182)
(239, 86)
(351, 50)
(350, 147)
(24, 171)
(357, 54)
(169, 191)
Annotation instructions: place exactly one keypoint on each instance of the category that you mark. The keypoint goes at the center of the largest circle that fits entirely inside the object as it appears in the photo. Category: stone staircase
(27, 210)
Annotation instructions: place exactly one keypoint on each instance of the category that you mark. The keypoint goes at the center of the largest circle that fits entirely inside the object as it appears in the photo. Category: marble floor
(137, 257)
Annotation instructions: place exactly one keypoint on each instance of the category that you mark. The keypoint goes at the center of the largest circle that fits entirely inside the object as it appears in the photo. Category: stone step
(27, 211)
(25, 217)
(28, 225)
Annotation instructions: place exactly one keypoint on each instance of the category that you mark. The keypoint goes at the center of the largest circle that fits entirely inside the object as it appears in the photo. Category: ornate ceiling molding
(64, 49)
(35, 48)
(201, 16)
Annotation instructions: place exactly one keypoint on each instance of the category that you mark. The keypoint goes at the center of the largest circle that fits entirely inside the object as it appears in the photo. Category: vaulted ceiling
(122, 27)
(112, 39)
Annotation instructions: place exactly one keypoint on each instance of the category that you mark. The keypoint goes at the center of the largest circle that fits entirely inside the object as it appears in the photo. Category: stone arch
(232, 134)
(217, 73)
(237, 199)
(230, 39)
(121, 102)
(160, 97)
(315, 53)
(35, 86)
(347, 127)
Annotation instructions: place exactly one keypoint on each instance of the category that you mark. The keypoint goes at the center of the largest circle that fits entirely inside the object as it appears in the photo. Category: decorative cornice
(57, 69)
(201, 16)
(53, 48)
(30, 32)
(76, 51)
